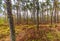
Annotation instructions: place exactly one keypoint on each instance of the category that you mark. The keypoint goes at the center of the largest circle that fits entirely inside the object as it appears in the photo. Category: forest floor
(29, 32)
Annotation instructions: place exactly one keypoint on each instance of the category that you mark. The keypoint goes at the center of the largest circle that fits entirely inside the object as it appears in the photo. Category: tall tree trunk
(27, 17)
(47, 15)
(51, 12)
(37, 15)
(37, 20)
(17, 16)
(34, 11)
(57, 17)
(10, 17)
(42, 15)
(5, 15)
(55, 13)
(24, 17)
(18, 12)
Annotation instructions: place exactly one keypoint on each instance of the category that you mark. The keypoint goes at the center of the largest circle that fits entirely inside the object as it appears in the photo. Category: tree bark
(10, 18)
(34, 11)
(37, 15)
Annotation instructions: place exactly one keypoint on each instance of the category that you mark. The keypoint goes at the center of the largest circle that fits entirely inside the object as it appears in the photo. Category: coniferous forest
(29, 20)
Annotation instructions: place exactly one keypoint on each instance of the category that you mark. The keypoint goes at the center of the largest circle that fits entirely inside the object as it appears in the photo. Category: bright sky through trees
(1, 14)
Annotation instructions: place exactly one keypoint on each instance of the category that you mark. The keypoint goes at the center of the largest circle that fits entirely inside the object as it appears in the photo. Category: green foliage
(4, 31)
(2, 20)
(50, 36)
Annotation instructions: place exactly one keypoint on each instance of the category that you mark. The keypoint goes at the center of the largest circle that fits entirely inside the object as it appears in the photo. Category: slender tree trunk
(42, 16)
(24, 17)
(51, 17)
(37, 3)
(27, 17)
(34, 11)
(18, 12)
(37, 15)
(5, 15)
(10, 17)
(57, 17)
(47, 15)
(17, 16)
(55, 13)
